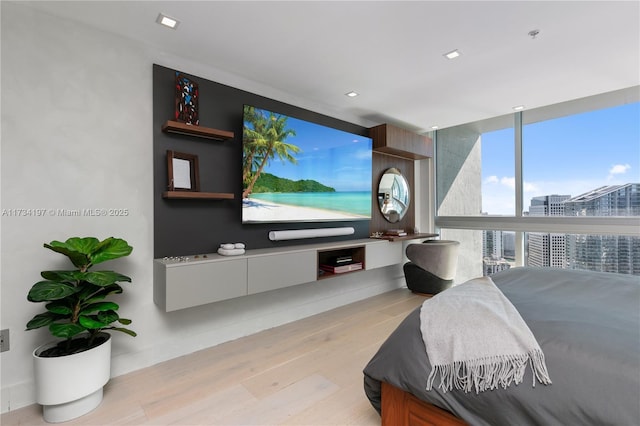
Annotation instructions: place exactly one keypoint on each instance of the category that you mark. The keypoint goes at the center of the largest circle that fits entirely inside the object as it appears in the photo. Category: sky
(565, 156)
(332, 157)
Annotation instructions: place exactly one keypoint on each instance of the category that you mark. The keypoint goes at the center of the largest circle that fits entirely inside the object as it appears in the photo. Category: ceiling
(391, 52)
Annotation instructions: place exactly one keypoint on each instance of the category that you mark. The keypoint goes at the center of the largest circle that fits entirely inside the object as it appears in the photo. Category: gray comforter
(587, 324)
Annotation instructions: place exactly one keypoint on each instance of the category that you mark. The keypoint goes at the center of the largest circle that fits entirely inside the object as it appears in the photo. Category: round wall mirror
(393, 195)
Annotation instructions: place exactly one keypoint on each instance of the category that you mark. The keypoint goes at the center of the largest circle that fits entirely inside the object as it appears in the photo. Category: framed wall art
(182, 171)
(187, 95)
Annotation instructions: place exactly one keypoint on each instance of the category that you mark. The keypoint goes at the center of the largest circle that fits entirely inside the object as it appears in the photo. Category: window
(498, 182)
(583, 164)
(560, 180)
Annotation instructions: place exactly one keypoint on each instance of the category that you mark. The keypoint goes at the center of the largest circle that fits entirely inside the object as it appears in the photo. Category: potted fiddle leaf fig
(71, 372)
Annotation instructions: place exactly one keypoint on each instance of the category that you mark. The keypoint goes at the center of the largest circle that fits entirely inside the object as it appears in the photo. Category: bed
(588, 326)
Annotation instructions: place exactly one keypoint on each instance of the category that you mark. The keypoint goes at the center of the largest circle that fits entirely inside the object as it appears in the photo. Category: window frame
(520, 224)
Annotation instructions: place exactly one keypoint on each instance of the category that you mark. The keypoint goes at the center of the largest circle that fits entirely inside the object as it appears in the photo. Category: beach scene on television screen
(298, 171)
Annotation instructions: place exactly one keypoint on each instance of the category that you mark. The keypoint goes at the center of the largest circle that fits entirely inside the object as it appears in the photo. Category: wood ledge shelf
(392, 140)
(186, 195)
(198, 131)
(407, 237)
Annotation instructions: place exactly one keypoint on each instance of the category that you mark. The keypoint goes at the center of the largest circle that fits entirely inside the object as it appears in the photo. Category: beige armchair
(432, 265)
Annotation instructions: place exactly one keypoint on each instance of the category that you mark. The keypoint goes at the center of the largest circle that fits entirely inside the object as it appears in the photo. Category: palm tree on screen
(254, 144)
(265, 138)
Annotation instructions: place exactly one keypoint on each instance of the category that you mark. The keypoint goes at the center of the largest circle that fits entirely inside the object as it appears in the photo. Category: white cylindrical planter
(70, 386)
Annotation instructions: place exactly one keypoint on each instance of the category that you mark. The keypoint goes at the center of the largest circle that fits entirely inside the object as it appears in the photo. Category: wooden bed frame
(400, 408)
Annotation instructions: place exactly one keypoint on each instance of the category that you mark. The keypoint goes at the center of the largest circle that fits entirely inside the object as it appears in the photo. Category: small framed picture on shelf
(183, 171)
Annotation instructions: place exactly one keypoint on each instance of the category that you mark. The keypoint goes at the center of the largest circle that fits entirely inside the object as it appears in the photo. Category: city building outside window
(557, 186)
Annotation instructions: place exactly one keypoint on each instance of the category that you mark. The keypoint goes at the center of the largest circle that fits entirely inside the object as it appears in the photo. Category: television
(298, 171)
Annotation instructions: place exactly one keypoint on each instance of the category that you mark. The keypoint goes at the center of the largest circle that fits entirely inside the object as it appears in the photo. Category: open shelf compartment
(356, 256)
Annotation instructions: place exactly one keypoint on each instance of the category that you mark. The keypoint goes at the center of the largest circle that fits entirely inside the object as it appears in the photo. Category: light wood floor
(308, 372)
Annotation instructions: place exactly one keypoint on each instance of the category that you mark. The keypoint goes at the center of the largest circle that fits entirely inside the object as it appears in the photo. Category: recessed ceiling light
(453, 54)
(518, 108)
(351, 94)
(167, 21)
(434, 127)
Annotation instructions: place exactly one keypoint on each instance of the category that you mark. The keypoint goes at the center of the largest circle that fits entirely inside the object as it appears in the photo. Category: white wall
(76, 134)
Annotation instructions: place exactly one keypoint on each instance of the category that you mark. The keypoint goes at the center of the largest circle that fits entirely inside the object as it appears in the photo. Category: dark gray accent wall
(189, 227)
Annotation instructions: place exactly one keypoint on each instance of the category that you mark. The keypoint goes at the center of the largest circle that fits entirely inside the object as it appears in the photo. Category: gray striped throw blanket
(476, 339)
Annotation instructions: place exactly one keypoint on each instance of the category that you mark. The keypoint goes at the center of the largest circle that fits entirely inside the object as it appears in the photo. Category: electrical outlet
(4, 340)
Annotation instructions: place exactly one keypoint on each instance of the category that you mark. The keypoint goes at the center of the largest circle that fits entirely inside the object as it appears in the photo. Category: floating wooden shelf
(388, 139)
(407, 237)
(198, 131)
(193, 195)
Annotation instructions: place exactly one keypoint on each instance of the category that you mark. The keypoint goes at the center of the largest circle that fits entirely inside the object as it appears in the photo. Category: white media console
(197, 280)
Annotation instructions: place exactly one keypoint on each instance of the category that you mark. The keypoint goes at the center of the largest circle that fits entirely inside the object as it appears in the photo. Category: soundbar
(297, 234)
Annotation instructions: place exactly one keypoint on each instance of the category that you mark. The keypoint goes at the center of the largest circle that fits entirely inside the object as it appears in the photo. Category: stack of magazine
(341, 264)
(395, 232)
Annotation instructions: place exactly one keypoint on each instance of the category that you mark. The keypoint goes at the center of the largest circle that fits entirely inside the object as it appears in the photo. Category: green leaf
(103, 292)
(62, 276)
(98, 307)
(87, 293)
(97, 297)
(124, 321)
(78, 250)
(112, 289)
(108, 316)
(66, 331)
(42, 320)
(105, 278)
(84, 245)
(59, 308)
(110, 248)
(125, 330)
(91, 323)
(44, 291)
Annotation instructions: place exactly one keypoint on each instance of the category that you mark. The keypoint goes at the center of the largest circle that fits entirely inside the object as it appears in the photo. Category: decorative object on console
(393, 195)
(177, 258)
(182, 171)
(296, 234)
(231, 249)
(395, 232)
(186, 100)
